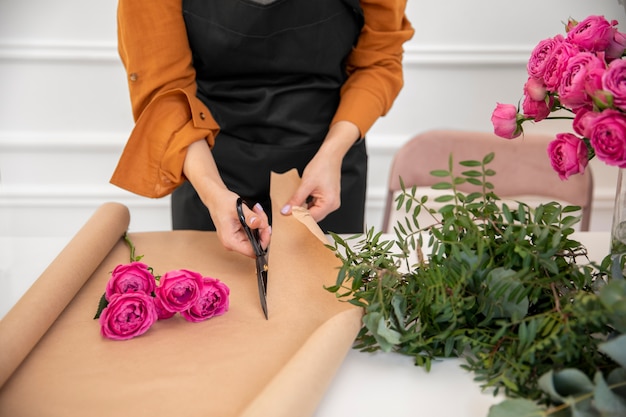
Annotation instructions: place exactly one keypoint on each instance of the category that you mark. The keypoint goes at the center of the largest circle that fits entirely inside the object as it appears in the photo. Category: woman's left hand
(320, 188)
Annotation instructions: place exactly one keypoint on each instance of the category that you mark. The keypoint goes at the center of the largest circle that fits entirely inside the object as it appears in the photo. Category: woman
(225, 91)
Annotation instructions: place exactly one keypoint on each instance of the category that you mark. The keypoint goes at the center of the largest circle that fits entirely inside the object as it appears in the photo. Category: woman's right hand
(201, 170)
(223, 209)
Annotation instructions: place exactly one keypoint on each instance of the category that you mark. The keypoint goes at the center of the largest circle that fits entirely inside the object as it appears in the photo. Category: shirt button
(202, 115)
(133, 76)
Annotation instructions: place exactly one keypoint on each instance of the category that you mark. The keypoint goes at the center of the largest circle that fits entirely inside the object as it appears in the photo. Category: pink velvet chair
(522, 168)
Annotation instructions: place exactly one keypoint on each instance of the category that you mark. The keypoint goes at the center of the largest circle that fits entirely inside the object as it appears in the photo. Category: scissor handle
(253, 235)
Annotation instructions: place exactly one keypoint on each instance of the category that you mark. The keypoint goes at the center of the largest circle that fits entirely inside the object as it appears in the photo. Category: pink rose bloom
(593, 34)
(539, 56)
(608, 137)
(594, 86)
(572, 88)
(582, 121)
(535, 89)
(504, 119)
(179, 289)
(617, 46)
(568, 155)
(557, 63)
(127, 315)
(614, 81)
(134, 276)
(162, 313)
(213, 301)
(537, 109)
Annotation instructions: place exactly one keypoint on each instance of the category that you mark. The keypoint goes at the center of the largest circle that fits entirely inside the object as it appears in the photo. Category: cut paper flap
(238, 364)
(290, 182)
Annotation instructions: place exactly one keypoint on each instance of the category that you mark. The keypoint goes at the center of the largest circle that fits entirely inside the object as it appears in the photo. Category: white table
(366, 385)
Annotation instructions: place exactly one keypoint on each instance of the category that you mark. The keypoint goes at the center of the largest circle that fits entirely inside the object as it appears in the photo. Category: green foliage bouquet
(504, 287)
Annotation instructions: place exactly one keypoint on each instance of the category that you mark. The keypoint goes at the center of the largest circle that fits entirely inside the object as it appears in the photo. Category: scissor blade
(262, 281)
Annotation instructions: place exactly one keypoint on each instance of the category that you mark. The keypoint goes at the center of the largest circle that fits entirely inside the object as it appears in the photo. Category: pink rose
(568, 155)
(213, 301)
(617, 46)
(614, 81)
(162, 313)
(539, 56)
(572, 88)
(179, 289)
(593, 34)
(134, 276)
(582, 121)
(537, 109)
(594, 87)
(504, 119)
(608, 137)
(557, 63)
(535, 89)
(127, 315)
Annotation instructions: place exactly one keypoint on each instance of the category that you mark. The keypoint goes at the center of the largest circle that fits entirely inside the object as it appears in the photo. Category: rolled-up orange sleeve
(375, 64)
(153, 47)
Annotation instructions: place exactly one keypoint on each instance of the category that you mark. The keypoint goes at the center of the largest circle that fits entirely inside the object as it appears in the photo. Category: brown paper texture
(238, 364)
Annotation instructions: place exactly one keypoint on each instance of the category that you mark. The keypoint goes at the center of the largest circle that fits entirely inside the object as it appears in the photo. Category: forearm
(200, 169)
(340, 138)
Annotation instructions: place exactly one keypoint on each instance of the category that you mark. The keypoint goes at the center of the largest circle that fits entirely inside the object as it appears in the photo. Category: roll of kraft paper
(31, 317)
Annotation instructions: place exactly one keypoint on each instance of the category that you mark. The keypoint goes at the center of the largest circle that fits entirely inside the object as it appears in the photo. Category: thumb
(298, 198)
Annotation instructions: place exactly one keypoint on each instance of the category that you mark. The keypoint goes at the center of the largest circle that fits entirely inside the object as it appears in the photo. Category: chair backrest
(522, 168)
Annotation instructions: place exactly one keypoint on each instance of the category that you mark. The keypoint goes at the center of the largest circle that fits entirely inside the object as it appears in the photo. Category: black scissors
(261, 257)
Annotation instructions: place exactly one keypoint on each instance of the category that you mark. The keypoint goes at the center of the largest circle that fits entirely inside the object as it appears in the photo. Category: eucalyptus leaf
(616, 349)
(518, 407)
(565, 383)
(608, 403)
(386, 338)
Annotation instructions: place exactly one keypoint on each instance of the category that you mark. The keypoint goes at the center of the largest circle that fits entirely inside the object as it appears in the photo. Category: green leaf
(441, 186)
(386, 338)
(444, 198)
(517, 407)
(605, 400)
(440, 173)
(102, 304)
(470, 163)
(562, 384)
(488, 158)
(500, 285)
(616, 349)
(472, 173)
(613, 297)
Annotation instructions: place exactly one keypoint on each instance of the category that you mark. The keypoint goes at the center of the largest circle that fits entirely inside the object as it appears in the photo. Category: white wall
(65, 114)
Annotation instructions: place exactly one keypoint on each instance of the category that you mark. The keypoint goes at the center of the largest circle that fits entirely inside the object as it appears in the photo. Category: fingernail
(285, 209)
(252, 220)
(270, 229)
(258, 207)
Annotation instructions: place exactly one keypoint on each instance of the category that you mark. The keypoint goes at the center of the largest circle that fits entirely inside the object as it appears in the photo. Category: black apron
(270, 75)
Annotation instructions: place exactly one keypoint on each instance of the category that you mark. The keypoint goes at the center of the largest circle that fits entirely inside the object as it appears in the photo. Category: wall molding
(62, 141)
(59, 51)
(415, 55)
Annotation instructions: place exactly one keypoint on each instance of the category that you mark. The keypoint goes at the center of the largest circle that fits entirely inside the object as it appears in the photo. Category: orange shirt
(153, 46)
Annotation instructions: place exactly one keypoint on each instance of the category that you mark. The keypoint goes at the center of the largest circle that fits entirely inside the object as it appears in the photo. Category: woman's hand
(202, 172)
(230, 232)
(320, 188)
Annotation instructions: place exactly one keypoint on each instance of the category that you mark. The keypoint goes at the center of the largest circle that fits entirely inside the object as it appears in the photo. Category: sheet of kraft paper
(238, 364)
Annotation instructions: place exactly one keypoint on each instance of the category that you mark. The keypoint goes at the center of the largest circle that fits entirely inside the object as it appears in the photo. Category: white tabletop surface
(366, 385)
